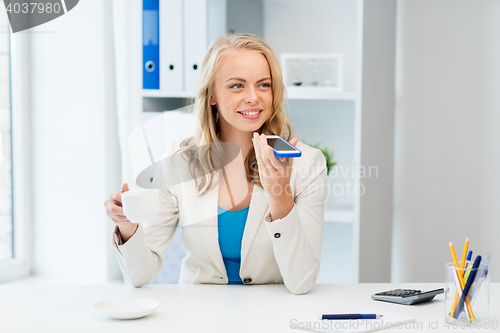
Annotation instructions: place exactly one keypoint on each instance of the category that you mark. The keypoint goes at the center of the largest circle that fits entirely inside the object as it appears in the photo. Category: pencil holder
(473, 310)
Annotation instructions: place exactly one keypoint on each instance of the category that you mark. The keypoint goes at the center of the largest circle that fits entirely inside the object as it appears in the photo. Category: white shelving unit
(356, 124)
(293, 94)
(163, 94)
(319, 94)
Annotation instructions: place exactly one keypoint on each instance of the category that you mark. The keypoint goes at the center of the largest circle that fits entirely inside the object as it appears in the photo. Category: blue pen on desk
(348, 316)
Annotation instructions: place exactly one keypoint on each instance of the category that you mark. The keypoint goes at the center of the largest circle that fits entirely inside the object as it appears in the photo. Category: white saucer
(126, 308)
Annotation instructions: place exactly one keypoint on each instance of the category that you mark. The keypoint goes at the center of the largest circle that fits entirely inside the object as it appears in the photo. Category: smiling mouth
(250, 113)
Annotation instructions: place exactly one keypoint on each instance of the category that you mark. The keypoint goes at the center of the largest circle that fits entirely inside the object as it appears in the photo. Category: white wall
(447, 155)
(75, 144)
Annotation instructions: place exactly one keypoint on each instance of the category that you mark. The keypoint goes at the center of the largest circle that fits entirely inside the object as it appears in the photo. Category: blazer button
(247, 280)
(277, 235)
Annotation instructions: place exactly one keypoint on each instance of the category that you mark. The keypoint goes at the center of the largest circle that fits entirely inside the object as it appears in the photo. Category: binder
(195, 40)
(150, 45)
(171, 52)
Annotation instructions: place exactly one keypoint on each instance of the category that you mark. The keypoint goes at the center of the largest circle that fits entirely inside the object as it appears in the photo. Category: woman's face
(242, 91)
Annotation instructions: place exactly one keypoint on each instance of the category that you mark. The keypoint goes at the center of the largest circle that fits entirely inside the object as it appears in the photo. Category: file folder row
(176, 35)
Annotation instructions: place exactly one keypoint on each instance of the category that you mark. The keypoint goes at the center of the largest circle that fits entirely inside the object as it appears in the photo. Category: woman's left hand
(274, 173)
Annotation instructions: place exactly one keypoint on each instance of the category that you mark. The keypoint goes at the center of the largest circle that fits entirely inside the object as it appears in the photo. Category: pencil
(462, 284)
(464, 253)
(462, 266)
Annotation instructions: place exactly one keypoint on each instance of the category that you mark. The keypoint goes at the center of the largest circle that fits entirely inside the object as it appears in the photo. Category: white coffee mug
(142, 205)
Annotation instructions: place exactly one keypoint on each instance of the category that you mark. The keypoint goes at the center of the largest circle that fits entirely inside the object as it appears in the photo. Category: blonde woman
(258, 219)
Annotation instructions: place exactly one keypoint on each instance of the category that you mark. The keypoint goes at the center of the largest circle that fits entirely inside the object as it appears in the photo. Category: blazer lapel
(207, 217)
(258, 208)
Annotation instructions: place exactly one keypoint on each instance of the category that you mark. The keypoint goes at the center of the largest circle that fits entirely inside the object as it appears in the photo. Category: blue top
(231, 226)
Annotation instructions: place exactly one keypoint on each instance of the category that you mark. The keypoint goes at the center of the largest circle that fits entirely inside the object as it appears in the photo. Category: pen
(462, 284)
(481, 274)
(465, 293)
(459, 293)
(347, 316)
(467, 266)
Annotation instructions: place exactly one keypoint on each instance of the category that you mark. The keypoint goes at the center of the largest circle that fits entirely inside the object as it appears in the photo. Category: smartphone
(281, 147)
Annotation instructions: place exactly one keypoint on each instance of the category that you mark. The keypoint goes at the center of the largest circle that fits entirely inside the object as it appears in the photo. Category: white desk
(208, 308)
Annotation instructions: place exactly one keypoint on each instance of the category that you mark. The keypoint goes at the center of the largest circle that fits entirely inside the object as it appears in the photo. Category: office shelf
(303, 93)
(318, 93)
(164, 94)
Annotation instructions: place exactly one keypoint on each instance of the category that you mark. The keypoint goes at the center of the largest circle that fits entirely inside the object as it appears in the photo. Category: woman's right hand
(115, 211)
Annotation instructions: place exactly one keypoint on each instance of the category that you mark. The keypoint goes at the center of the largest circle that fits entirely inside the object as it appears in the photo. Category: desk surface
(209, 308)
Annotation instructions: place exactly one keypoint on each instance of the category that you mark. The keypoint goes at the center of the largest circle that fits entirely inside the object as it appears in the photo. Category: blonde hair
(203, 150)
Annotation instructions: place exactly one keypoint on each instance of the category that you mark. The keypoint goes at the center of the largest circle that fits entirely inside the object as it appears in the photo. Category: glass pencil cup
(475, 310)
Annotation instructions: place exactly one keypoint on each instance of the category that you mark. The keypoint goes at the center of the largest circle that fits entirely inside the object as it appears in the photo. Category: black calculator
(406, 296)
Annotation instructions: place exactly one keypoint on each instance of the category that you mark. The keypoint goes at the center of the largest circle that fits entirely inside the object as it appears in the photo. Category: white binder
(195, 40)
(171, 50)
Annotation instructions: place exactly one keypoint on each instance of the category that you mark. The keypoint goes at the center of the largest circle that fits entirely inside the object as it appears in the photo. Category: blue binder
(150, 44)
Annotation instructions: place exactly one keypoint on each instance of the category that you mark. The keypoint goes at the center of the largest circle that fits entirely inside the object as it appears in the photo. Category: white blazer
(286, 250)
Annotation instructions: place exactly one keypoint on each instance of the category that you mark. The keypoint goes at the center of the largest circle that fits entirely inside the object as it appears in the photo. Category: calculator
(406, 296)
